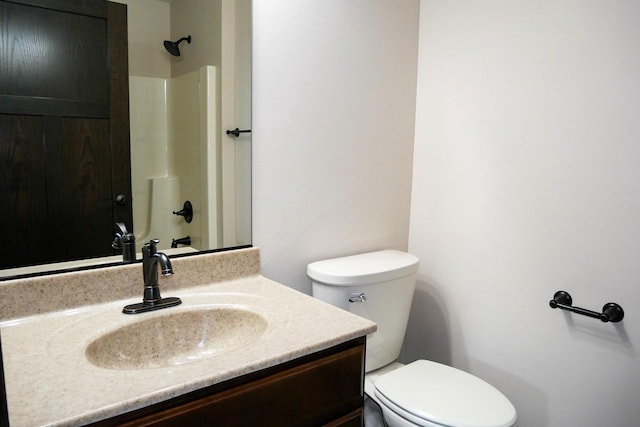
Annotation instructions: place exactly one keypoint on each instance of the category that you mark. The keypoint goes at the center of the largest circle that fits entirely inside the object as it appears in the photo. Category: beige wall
(149, 25)
(153, 21)
(204, 28)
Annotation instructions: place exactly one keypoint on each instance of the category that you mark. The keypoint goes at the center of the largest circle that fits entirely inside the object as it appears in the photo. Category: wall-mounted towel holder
(611, 312)
(236, 132)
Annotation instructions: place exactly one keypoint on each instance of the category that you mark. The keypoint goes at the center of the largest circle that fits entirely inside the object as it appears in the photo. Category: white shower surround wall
(173, 151)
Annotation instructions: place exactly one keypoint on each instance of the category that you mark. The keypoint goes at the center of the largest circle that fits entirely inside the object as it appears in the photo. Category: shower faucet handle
(186, 211)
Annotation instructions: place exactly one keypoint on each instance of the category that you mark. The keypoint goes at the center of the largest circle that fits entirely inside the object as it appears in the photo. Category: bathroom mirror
(180, 111)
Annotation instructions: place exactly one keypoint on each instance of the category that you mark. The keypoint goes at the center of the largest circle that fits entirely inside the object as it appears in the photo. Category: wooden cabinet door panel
(79, 181)
(23, 206)
(54, 54)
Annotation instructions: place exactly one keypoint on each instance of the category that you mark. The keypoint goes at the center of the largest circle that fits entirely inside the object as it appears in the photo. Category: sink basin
(176, 338)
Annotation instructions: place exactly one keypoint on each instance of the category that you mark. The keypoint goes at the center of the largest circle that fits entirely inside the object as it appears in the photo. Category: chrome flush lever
(358, 297)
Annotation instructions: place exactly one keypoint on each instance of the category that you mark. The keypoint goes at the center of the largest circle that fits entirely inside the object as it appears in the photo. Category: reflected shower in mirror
(180, 107)
(174, 47)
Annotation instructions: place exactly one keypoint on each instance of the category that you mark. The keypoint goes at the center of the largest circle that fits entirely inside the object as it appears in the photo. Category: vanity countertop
(50, 381)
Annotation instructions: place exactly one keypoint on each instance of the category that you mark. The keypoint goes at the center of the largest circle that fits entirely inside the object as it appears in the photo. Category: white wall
(334, 86)
(526, 180)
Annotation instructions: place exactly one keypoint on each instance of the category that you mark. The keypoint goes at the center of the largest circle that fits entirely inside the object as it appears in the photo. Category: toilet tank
(376, 285)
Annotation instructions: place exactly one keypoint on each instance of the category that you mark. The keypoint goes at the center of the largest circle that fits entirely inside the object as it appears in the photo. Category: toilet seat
(428, 393)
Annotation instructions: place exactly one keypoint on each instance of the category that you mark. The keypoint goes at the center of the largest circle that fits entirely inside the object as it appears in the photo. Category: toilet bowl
(379, 286)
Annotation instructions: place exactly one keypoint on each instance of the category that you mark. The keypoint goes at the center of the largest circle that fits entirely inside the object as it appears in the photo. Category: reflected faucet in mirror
(151, 299)
(126, 242)
(181, 241)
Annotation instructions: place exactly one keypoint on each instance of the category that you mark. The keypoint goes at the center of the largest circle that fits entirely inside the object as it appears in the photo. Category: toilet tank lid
(367, 268)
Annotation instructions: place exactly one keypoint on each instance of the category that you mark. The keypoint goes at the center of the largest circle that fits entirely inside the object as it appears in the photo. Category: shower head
(173, 47)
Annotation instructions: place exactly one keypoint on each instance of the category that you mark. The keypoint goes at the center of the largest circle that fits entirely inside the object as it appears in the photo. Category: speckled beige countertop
(50, 381)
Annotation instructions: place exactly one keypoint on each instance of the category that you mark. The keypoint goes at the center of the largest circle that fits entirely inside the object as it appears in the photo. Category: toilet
(379, 286)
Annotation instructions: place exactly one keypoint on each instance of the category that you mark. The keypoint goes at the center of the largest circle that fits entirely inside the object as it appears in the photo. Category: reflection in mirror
(180, 108)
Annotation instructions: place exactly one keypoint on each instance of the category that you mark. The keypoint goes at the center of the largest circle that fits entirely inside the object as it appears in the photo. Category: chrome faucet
(151, 299)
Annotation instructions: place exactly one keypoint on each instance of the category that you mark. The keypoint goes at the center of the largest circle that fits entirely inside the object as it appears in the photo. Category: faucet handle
(122, 231)
(153, 242)
(122, 228)
(151, 246)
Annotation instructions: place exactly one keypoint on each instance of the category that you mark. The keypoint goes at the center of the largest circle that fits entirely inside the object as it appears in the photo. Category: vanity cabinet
(324, 388)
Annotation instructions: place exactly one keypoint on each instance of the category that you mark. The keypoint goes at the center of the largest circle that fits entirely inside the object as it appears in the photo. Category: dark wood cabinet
(64, 129)
(322, 389)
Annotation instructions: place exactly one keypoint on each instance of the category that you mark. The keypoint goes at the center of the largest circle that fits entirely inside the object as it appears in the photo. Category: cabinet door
(23, 186)
(327, 391)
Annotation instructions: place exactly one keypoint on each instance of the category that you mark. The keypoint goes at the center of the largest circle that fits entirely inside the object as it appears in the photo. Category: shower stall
(179, 116)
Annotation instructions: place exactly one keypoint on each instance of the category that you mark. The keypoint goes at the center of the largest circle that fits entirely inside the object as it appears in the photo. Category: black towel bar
(236, 132)
(611, 312)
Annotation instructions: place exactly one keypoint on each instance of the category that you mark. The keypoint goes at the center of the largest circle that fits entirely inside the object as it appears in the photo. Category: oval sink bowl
(176, 338)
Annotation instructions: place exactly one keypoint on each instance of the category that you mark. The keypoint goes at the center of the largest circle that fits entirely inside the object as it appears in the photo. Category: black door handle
(121, 200)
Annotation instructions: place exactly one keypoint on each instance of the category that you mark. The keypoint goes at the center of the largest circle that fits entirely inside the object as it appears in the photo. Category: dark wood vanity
(320, 389)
